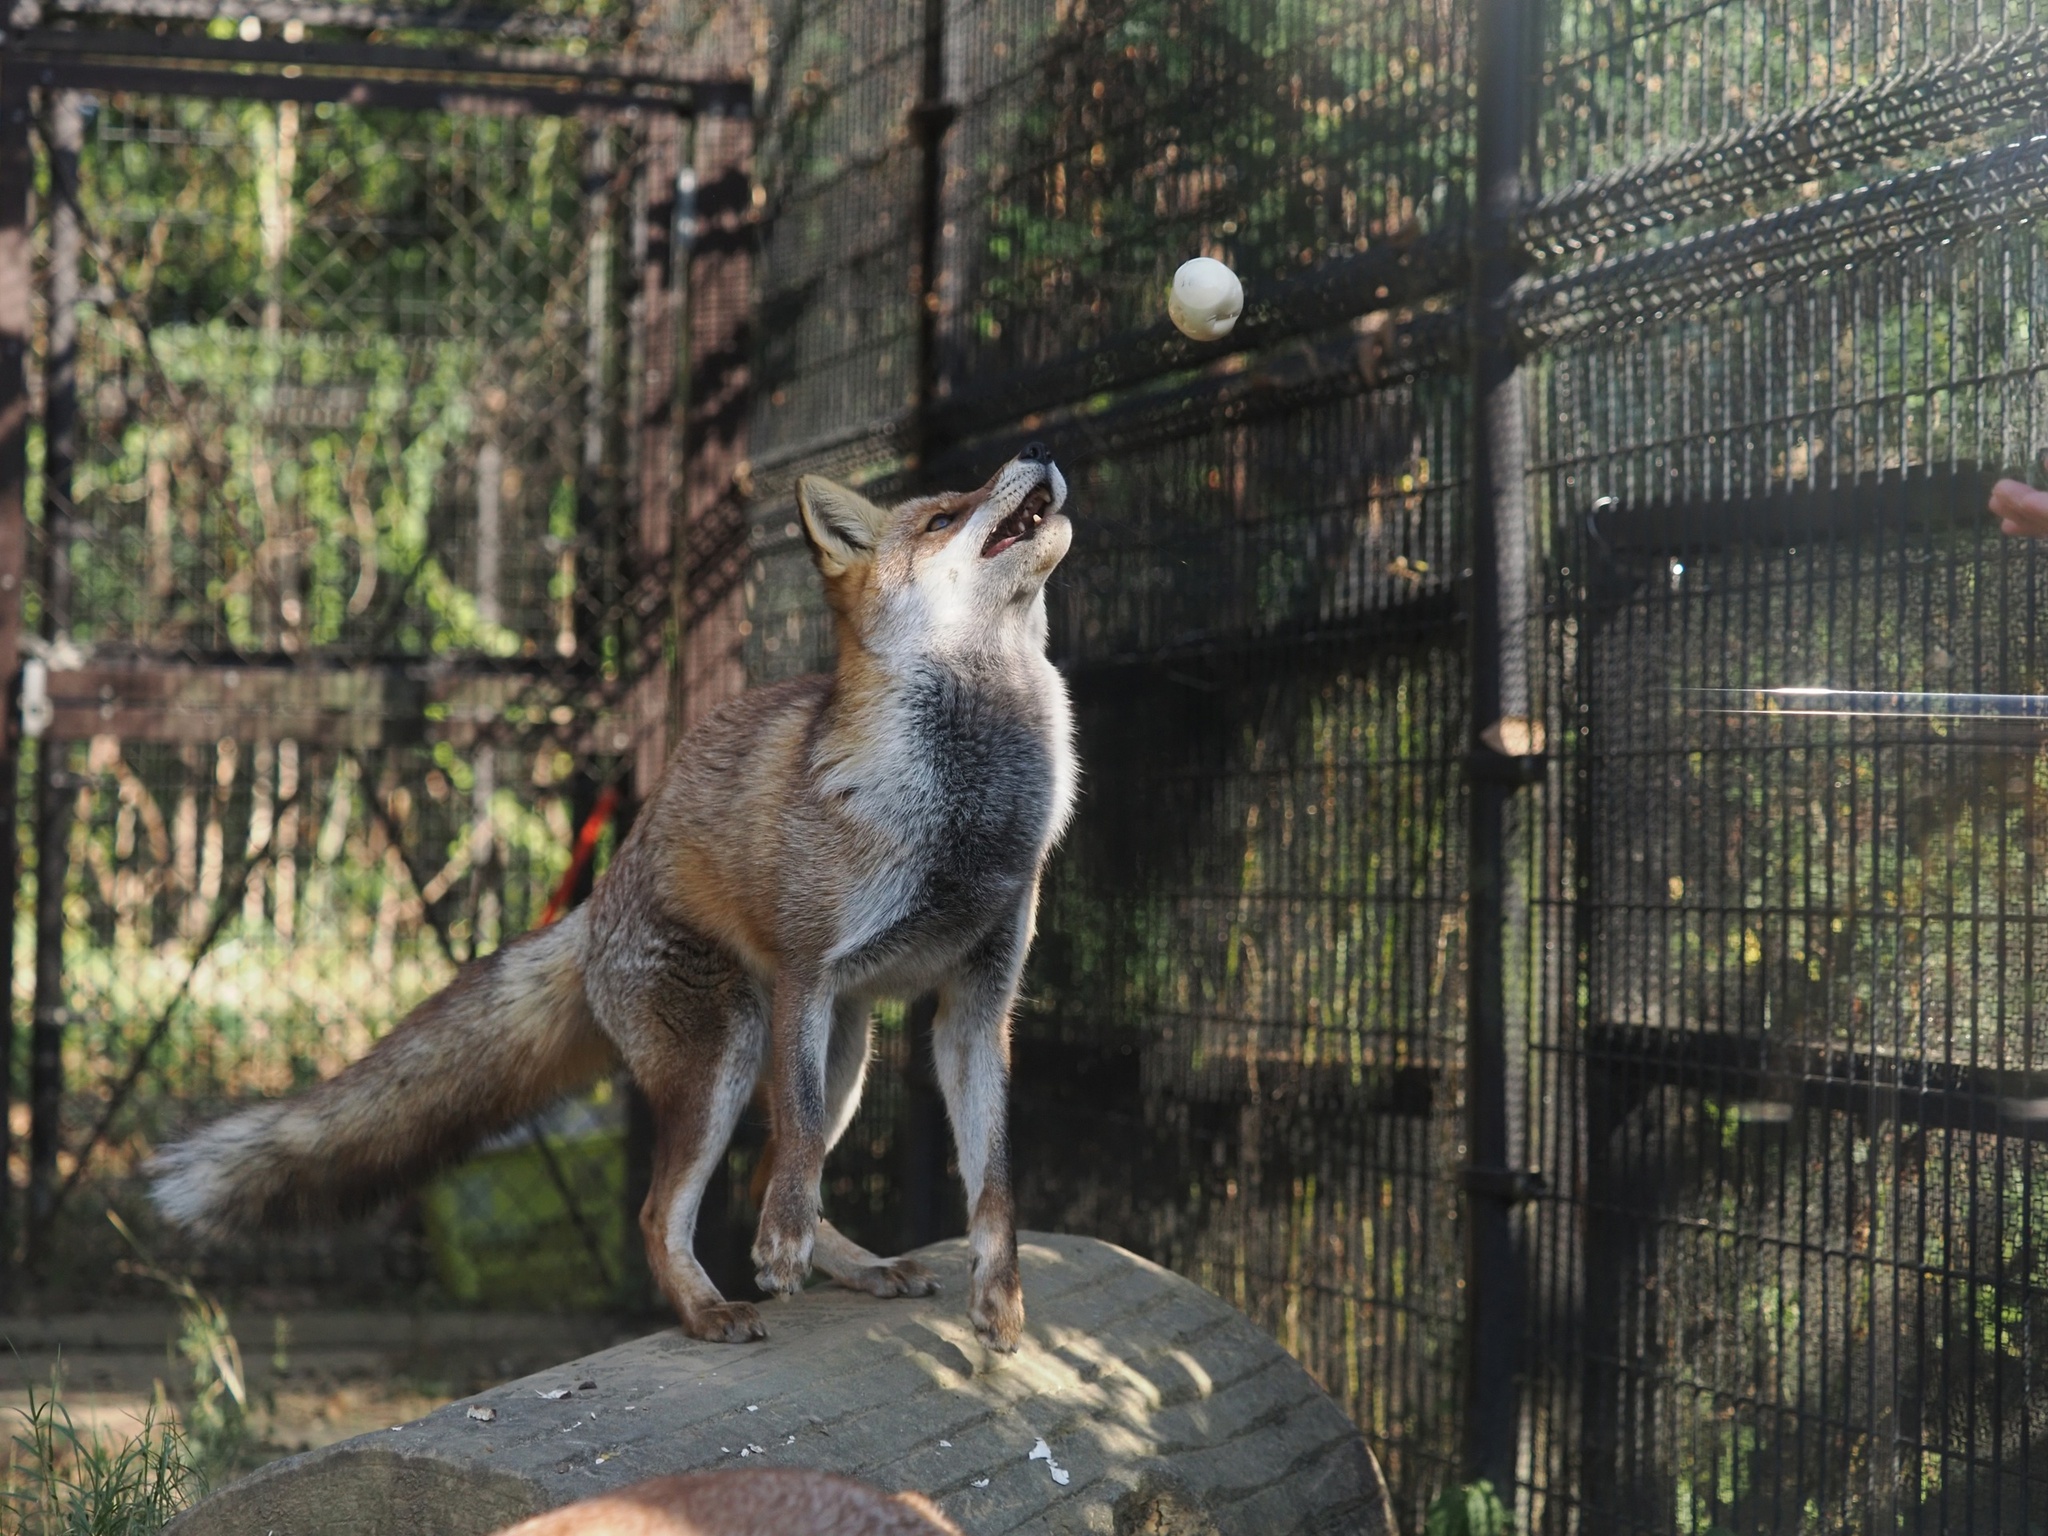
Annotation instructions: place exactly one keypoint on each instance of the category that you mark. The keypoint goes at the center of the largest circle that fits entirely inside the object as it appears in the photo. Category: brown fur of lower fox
(765, 1503)
(814, 846)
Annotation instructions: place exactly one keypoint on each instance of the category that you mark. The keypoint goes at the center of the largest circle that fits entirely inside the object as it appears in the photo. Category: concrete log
(1164, 1411)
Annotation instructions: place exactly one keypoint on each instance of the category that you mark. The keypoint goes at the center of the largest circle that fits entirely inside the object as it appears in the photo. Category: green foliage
(1271, 134)
(529, 1224)
(215, 1423)
(61, 1481)
(1470, 1509)
(307, 324)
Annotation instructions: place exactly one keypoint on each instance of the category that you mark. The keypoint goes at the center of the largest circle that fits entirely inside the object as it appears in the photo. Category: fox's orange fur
(813, 846)
(778, 1503)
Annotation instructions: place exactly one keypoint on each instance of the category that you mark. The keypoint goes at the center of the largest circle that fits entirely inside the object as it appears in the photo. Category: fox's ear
(843, 526)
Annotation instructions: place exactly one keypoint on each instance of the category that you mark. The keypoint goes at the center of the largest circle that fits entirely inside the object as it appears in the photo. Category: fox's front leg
(971, 1049)
(800, 1033)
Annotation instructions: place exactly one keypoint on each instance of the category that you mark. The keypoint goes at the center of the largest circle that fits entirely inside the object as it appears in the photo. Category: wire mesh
(1771, 974)
(1787, 1117)
(1098, 147)
(353, 391)
(837, 165)
(1770, 977)
(323, 380)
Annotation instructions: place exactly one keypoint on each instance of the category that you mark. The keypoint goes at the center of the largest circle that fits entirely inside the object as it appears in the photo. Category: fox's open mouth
(1022, 523)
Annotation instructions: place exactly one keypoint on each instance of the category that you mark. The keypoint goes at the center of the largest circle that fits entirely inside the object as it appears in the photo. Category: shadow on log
(1163, 1410)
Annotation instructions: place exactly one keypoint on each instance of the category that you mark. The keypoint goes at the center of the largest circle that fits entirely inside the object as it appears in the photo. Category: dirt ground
(314, 1377)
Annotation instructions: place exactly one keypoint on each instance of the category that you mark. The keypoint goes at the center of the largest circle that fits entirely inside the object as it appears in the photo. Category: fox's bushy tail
(508, 1035)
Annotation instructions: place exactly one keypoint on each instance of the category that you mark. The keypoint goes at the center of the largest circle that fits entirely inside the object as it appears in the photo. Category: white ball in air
(1206, 300)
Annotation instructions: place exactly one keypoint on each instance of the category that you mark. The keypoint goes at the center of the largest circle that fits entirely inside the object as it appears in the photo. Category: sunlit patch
(1867, 702)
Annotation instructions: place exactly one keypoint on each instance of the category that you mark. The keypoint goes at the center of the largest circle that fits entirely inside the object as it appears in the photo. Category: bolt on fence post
(1499, 682)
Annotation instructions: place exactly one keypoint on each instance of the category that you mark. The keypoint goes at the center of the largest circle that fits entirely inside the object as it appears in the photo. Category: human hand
(2021, 510)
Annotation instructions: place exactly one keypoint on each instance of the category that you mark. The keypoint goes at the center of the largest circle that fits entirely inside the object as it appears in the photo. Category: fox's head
(960, 571)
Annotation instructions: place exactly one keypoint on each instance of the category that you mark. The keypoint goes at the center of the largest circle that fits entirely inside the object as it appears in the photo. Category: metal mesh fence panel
(1806, 933)
(323, 396)
(1098, 145)
(1769, 967)
(1241, 1050)
(838, 165)
(344, 637)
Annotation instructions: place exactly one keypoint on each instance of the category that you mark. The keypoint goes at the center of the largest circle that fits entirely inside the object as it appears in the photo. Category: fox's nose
(1035, 453)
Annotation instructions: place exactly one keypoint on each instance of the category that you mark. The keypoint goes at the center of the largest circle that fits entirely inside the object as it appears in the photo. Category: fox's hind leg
(693, 1030)
(839, 1256)
(971, 1050)
(847, 1262)
(694, 1119)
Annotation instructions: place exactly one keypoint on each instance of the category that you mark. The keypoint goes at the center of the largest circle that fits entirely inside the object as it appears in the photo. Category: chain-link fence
(1448, 862)
(354, 378)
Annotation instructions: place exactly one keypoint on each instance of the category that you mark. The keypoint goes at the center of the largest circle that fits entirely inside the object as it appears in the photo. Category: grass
(60, 1482)
(57, 1480)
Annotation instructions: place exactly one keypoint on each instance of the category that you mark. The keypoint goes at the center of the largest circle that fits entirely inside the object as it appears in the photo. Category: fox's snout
(1023, 494)
(999, 542)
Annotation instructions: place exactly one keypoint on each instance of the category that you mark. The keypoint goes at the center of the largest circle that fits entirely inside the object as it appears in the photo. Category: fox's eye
(943, 520)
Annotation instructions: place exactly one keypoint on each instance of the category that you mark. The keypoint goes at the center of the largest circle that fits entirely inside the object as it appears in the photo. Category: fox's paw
(997, 1308)
(893, 1277)
(782, 1259)
(725, 1322)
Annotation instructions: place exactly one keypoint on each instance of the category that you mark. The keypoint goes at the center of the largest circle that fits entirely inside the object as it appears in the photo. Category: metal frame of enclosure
(1556, 927)
(175, 661)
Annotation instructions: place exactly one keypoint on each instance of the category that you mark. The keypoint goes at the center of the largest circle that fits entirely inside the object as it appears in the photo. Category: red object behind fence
(586, 844)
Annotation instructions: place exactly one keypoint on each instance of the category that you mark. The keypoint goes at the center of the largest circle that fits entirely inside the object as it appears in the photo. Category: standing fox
(814, 846)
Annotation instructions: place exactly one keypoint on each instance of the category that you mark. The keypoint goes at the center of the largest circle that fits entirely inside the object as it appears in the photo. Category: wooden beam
(359, 708)
(362, 74)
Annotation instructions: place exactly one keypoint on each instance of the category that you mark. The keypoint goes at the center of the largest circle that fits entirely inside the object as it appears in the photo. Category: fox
(777, 1503)
(813, 847)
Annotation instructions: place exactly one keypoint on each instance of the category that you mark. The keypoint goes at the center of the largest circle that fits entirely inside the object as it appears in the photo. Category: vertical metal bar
(596, 484)
(716, 231)
(1499, 691)
(923, 1130)
(17, 174)
(929, 120)
(486, 873)
(656, 349)
(52, 787)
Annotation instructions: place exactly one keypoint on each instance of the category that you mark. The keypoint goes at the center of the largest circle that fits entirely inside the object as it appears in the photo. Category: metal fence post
(52, 786)
(17, 176)
(929, 120)
(1501, 747)
(715, 239)
(925, 1138)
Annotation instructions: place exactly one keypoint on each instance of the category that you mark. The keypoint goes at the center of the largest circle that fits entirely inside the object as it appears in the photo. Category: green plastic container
(507, 1230)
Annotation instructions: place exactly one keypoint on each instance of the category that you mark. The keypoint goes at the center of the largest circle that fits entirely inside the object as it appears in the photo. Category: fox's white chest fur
(963, 781)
